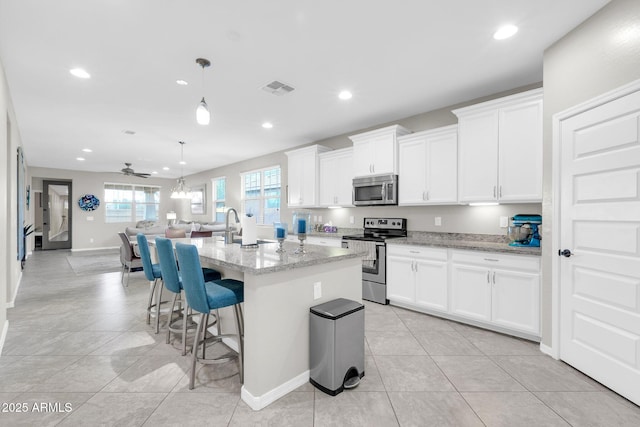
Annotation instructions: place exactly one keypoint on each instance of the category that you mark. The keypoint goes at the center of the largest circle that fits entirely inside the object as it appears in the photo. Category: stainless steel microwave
(375, 190)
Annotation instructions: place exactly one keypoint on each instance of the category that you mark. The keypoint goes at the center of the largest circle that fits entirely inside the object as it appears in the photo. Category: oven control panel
(385, 223)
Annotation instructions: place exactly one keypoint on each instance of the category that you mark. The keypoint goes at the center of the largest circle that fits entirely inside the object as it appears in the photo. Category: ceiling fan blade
(142, 175)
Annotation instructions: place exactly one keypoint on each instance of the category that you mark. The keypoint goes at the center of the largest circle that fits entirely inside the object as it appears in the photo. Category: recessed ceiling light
(345, 94)
(80, 159)
(155, 172)
(87, 150)
(505, 32)
(182, 82)
(165, 168)
(80, 73)
(267, 125)
(182, 162)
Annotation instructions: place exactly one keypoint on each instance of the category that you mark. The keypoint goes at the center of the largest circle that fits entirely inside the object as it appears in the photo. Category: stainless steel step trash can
(336, 347)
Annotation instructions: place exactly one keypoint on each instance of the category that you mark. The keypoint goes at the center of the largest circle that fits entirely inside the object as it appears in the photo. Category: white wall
(104, 235)
(599, 55)
(10, 271)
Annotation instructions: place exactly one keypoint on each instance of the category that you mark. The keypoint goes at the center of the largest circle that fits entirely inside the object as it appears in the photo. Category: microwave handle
(384, 192)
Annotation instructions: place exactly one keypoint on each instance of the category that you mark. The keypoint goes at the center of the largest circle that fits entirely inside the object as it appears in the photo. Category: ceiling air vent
(277, 88)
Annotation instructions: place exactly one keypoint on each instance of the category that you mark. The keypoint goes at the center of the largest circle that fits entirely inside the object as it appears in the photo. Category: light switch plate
(352, 220)
(317, 290)
(438, 221)
(504, 221)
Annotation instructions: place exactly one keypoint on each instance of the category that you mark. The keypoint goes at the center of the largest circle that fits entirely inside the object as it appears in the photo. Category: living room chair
(128, 258)
(203, 297)
(174, 233)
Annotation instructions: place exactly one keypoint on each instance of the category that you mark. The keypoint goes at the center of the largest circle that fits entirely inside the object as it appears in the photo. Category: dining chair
(201, 233)
(203, 297)
(153, 273)
(128, 258)
(174, 233)
(173, 283)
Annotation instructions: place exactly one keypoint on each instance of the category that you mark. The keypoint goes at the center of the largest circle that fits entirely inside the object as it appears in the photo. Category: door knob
(565, 253)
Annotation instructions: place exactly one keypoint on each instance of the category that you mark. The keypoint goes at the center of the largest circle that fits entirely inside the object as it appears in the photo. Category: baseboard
(258, 402)
(94, 249)
(548, 351)
(12, 303)
(5, 329)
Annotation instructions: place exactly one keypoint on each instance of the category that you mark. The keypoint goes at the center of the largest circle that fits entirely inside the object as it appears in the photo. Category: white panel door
(431, 284)
(600, 226)
(478, 157)
(400, 279)
(471, 291)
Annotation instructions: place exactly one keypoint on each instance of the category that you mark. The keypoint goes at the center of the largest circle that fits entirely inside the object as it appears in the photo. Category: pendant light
(202, 112)
(181, 191)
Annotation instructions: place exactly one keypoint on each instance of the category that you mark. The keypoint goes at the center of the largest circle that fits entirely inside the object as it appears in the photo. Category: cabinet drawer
(328, 241)
(421, 252)
(494, 260)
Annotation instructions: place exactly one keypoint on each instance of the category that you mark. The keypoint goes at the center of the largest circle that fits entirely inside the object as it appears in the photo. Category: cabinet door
(520, 152)
(328, 181)
(362, 156)
(294, 180)
(344, 179)
(431, 284)
(400, 280)
(412, 168)
(478, 157)
(471, 291)
(442, 169)
(384, 154)
(308, 178)
(516, 300)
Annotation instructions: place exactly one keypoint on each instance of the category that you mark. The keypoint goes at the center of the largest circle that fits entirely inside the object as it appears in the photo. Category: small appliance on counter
(524, 230)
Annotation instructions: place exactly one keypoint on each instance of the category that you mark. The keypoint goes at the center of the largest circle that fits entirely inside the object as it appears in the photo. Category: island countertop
(264, 259)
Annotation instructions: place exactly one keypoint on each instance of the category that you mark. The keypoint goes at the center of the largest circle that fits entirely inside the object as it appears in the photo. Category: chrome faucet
(228, 233)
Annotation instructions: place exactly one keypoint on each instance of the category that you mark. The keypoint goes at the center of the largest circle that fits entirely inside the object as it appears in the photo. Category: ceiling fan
(130, 172)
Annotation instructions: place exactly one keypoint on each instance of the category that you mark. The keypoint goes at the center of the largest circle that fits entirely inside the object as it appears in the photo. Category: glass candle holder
(301, 237)
(280, 232)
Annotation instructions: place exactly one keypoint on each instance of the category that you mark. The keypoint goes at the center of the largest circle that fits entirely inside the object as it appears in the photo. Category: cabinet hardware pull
(494, 191)
(492, 260)
(423, 196)
(427, 195)
(494, 277)
(488, 282)
(414, 252)
(501, 191)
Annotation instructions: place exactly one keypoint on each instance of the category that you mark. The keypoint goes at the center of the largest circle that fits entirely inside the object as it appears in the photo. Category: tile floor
(82, 341)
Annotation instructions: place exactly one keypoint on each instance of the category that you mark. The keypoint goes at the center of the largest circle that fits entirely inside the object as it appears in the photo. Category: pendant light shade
(203, 116)
(181, 191)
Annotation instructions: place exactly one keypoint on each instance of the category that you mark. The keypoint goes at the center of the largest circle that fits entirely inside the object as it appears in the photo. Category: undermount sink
(259, 241)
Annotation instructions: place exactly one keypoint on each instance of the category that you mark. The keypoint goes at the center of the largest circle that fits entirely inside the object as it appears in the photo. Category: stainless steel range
(374, 264)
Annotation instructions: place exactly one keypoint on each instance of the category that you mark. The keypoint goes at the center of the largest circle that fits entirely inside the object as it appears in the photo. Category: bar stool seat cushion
(236, 286)
(218, 296)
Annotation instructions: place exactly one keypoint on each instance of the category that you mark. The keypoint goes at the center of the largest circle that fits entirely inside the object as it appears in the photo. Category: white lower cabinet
(494, 290)
(503, 290)
(417, 276)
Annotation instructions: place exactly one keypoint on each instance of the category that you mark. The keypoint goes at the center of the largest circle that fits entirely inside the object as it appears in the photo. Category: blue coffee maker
(524, 230)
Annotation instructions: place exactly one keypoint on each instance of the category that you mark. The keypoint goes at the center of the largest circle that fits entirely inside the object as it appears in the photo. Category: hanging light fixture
(202, 112)
(181, 191)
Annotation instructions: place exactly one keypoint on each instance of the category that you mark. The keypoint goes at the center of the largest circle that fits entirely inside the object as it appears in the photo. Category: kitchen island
(279, 289)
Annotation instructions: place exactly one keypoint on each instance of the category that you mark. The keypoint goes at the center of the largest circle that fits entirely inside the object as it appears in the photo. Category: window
(219, 190)
(261, 191)
(198, 200)
(130, 203)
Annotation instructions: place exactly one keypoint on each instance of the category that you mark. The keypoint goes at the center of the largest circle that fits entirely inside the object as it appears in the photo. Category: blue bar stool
(173, 283)
(153, 273)
(204, 297)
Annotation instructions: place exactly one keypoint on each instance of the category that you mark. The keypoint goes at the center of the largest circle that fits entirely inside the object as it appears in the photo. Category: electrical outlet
(315, 218)
(352, 220)
(504, 221)
(91, 240)
(89, 218)
(317, 290)
(438, 221)
(319, 218)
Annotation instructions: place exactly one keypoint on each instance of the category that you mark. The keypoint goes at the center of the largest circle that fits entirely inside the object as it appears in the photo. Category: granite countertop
(474, 242)
(264, 259)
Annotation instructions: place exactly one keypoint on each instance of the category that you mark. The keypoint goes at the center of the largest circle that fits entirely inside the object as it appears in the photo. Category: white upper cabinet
(376, 152)
(336, 177)
(303, 176)
(500, 150)
(428, 172)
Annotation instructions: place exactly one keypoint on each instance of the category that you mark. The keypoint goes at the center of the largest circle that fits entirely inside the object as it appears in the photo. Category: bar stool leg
(200, 330)
(240, 327)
